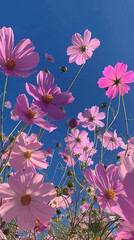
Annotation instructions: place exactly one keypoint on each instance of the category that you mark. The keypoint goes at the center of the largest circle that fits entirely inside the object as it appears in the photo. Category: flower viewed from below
(91, 118)
(8, 104)
(115, 79)
(66, 157)
(125, 231)
(107, 182)
(82, 49)
(32, 115)
(16, 62)
(28, 200)
(110, 140)
(13, 116)
(48, 96)
(49, 58)
(25, 154)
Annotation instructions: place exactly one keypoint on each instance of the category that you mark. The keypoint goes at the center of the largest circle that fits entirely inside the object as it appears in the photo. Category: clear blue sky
(50, 25)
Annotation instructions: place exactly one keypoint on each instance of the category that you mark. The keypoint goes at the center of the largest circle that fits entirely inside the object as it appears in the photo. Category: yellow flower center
(37, 223)
(48, 97)
(31, 114)
(10, 63)
(27, 154)
(97, 237)
(55, 202)
(26, 199)
(110, 193)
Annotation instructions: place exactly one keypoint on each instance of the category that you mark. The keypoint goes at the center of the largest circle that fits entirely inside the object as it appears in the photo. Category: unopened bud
(63, 69)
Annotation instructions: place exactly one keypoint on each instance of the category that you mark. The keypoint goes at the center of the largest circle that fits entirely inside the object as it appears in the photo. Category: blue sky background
(50, 25)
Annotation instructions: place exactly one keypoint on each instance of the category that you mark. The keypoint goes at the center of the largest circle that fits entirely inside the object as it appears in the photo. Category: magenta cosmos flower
(110, 140)
(125, 231)
(15, 62)
(49, 97)
(28, 197)
(25, 155)
(115, 79)
(91, 118)
(31, 115)
(49, 58)
(82, 49)
(107, 182)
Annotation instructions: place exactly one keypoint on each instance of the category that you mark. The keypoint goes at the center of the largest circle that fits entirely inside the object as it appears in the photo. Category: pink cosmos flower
(32, 115)
(2, 236)
(66, 157)
(115, 79)
(82, 49)
(49, 58)
(76, 138)
(13, 116)
(49, 97)
(61, 202)
(107, 182)
(42, 226)
(8, 104)
(126, 231)
(25, 155)
(91, 118)
(15, 62)
(110, 140)
(28, 197)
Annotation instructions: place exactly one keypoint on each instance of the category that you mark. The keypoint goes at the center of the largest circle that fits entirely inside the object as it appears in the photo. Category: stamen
(78, 140)
(83, 48)
(48, 97)
(110, 194)
(10, 63)
(27, 154)
(26, 199)
(112, 139)
(91, 119)
(31, 114)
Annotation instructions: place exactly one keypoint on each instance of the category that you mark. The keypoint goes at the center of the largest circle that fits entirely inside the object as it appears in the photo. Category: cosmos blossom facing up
(48, 96)
(49, 58)
(82, 49)
(115, 79)
(110, 140)
(28, 197)
(16, 62)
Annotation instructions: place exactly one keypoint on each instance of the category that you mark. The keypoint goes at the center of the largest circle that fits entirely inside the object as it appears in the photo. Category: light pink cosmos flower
(13, 116)
(49, 58)
(25, 155)
(2, 236)
(66, 157)
(42, 226)
(48, 96)
(8, 104)
(76, 138)
(82, 49)
(61, 202)
(115, 79)
(15, 62)
(31, 115)
(91, 118)
(28, 197)
(110, 140)
(107, 182)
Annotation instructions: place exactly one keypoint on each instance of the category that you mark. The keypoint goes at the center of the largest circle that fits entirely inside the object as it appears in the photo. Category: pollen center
(91, 119)
(83, 48)
(27, 154)
(85, 149)
(31, 114)
(110, 194)
(10, 63)
(48, 97)
(77, 140)
(26, 199)
(112, 139)
(117, 81)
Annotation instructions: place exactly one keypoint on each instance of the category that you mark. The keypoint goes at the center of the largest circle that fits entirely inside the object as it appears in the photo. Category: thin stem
(126, 121)
(29, 130)
(12, 132)
(59, 78)
(2, 108)
(75, 77)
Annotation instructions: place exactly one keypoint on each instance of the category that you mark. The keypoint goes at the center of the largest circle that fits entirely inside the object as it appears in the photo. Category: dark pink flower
(49, 58)
(66, 157)
(31, 115)
(82, 49)
(107, 182)
(115, 79)
(91, 118)
(73, 123)
(28, 197)
(49, 97)
(125, 231)
(16, 62)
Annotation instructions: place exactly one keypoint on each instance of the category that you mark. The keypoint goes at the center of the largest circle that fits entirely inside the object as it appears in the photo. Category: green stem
(12, 131)
(2, 108)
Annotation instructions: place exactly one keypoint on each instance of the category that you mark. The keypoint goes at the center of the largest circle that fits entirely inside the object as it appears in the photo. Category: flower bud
(63, 69)
(73, 123)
